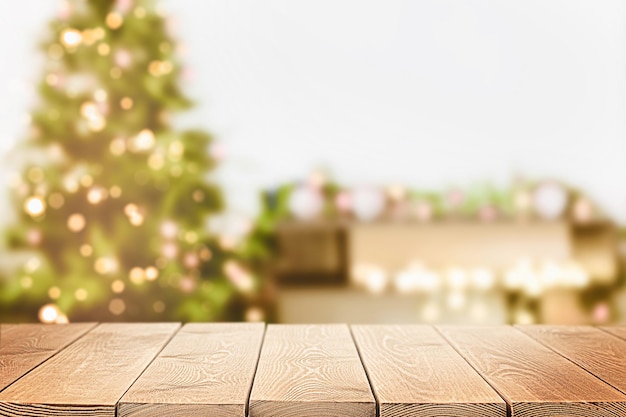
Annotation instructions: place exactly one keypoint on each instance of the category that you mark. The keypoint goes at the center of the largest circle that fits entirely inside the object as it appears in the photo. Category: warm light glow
(96, 195)
(140, 12)
(35, 206)
(114, 20)
(115, 192)
(56, 200)
(117, 306)
(81, 294)
(100, 95)
(105, 266)
(126, 103)
(118, 286)
(254, 314)
(104, 49)
(76, 222)
(151, 273)
(176, 150)
(71, 38)
(159, 68)
(48, 313)
(117, 146)
(136, 275)
(86, 250)
(144, 141)
(158, 306)
(54, 292)
(156, 161)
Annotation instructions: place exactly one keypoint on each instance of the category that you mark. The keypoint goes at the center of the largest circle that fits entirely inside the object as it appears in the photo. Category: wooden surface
(310, 370)
(619, 331)
(598, 352)
(90, 376)
(23, 347)
(415, 372)
(237, 369)
(534, 380)
(206, 369)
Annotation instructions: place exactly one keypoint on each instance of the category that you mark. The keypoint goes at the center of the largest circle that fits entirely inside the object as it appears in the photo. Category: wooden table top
(245, 369)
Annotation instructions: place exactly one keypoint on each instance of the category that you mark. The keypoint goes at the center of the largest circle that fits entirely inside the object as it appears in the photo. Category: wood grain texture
(24, 346)
(310, 370)
(619, 331)
(534, 380)
(206, 369)
(413, 371)
(89, 376)
(597, 352)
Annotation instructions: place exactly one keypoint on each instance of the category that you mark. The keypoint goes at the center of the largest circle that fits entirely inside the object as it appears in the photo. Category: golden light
(70, 184)
(32, 265)
(35, 206)
(144, 141)
(98, 33)
(96, 195)
(114, 20)
(118, 286)
(254, 314)
(197, 196)
(176, 149)
(156, 161)
(140, 12)
(115, 73)
(52, 79)
(86, 250)
(100, 95)
(104, 49)
(115, 192)
(126, 103)
(151, 273)
(191, 236)
(56, 200)
(105, 265)
(136, 275)
(117, 146)
(159, 68)
(117, 306)
(86, 180)
(89, 36)
(54, 292)
(76, 222)
(35, 174)
(81, 294)
(26, 282)
(49, 313)
(71, 38)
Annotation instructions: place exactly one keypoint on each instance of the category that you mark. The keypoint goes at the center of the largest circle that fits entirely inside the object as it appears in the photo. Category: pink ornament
(423, 211)
(187, 284)
(191, 260)
(488, 213)
(601, 313)
(343, 201)
(124, 5)
(122, 58)
(33, 237)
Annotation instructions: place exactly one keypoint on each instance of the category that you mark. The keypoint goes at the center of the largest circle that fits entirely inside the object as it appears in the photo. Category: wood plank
(619, 331)
(533, 380)
(24, 346)
(413, 371)
(88, 377)
(206, 369)
(310, 370)
(598, 352)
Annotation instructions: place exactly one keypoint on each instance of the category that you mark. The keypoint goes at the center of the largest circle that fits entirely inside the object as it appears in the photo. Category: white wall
(426, 92)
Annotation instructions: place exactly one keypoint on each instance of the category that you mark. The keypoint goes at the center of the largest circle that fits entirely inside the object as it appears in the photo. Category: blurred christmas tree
(113, 203)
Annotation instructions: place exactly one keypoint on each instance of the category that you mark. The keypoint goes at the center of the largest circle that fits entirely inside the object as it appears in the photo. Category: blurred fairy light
(114, 20)
(35, 206)
(71, 38)
(49, 313)
(76, 222)
(240, 278)
(117, 306)
(143, 141)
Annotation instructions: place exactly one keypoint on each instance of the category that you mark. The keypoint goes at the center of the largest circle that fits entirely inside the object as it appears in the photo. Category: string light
(35, 206)
(118, 286)
(151, 273)
(26, 282)
(100, 95)
(49, 313)
(136, 275)
(254, 314)
(76, 222)
(156, 161)
(117, 146)
(117, 306)
(86, 180)
(143, 141)
(104, 49)
(71, 38)
(105, 265)
(176, 150)
(54, 293)
(160, 68)
(81, 294)
(86, 250)
(115, 192)
(96, 195)
(126, 103)
(134, 215)
(114, 20)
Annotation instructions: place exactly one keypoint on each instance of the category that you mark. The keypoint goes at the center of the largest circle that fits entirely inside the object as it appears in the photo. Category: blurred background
(313, 161)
